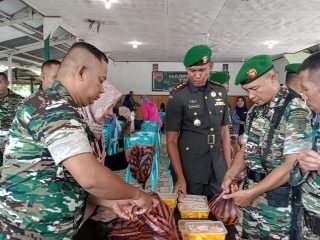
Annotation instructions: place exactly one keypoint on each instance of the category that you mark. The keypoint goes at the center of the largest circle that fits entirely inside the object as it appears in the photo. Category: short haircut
(49, 63)
(130, 92)
(312, 63)
(2, 74)
(92, 49)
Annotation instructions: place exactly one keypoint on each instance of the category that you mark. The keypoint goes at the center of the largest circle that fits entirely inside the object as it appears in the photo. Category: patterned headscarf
(95, 111)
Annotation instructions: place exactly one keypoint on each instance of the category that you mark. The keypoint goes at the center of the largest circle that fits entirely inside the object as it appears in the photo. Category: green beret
(293, 68)
(220, 77)
(254, 68)
(197, 56)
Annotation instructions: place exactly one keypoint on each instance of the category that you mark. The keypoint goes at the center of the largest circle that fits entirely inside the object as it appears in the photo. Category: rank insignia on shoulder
(180, 85)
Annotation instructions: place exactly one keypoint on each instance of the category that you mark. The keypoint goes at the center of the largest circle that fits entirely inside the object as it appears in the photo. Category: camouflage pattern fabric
(261, 221)
(311, 188)
(39, 199)
(8, 107)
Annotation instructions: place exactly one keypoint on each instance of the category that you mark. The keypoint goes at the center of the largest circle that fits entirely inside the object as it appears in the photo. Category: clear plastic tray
(182, 223)
(192, 198)
(169, 198)
(194, 210)
(214, 230)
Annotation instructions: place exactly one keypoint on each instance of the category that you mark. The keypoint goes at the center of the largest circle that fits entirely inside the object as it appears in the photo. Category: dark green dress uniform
(198, 114)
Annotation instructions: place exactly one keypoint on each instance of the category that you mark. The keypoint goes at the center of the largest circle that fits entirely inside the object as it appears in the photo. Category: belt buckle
(211, 139)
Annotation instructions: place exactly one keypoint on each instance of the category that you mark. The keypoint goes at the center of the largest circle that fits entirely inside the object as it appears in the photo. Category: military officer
(277, 128)
(9, 102)
(309, 161)
(221, 78)
(292, 76)
(49, 70)
(48, 163)
(197, 127)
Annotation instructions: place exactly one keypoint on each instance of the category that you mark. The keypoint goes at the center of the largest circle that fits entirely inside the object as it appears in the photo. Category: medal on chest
(197, 121)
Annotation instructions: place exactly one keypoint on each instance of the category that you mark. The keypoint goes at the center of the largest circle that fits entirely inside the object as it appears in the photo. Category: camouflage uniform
(8, 108)
(39, 199)
(311, 189)
(261, 221)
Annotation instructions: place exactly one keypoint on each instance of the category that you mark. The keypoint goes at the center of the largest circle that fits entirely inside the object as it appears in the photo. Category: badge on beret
(252, 73)
(213, 94)
(205, 59)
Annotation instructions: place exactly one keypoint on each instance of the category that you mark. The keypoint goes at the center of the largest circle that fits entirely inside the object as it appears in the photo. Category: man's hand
(145, 202)
(227, 183)
(309, 160)
(241, 198)
(180, 186)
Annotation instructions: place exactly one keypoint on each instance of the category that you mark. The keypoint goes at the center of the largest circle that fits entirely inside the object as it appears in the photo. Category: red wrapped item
(141, 163)
(225, 210)
(158, 224)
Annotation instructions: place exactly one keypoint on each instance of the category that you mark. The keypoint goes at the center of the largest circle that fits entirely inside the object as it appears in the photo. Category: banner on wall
(164, 81)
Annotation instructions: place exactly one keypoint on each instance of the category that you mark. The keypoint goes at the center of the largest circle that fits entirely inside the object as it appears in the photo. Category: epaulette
(215, 83)
(180, 85)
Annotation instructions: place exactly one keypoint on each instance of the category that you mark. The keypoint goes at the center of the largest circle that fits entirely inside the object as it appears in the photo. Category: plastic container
(169, 198)
(213, 230)
(193, 199)
(182, 228)
(194, 210)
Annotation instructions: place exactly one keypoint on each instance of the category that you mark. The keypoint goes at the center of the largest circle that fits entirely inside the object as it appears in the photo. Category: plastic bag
(225, 210)
(158, 224)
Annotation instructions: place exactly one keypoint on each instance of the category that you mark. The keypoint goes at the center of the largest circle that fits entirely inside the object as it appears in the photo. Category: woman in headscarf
(239, 115)
(95, 116)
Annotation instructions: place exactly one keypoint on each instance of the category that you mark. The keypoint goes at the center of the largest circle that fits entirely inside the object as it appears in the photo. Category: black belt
(312, 222)
(255, 176)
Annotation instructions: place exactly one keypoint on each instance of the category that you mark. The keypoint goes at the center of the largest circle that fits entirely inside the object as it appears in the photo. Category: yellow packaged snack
(194, 210)
(205, 231)
(169, 198)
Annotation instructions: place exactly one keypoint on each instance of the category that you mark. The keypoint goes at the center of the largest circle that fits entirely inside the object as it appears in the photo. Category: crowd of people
(57, 179)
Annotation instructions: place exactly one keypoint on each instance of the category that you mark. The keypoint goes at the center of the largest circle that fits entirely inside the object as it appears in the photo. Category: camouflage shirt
(260, 219)
(311, 189)
(38, 196)
(8, 108)
(292, 135)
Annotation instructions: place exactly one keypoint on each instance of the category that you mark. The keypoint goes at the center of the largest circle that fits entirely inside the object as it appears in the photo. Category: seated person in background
(162, 107)
(239, 115)
(124, 115)
(150, 110)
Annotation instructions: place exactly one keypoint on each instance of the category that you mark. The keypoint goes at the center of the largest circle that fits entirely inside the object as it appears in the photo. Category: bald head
(82, 72)
(49, 72)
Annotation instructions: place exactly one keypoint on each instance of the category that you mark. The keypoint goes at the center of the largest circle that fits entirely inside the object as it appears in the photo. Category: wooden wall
(158, 99)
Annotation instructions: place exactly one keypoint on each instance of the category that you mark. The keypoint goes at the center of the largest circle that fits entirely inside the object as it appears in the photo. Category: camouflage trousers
(2, 144)
(261, 221)
(8, 232)
(307, 234)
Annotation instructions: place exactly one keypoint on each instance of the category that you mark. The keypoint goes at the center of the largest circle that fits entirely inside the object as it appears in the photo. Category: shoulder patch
(215, 83)
(180, 86)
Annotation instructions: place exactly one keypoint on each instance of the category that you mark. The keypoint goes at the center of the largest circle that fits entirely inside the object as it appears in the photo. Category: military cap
(293, 68)
(197, 56)
(254, 68)
(220, 77)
